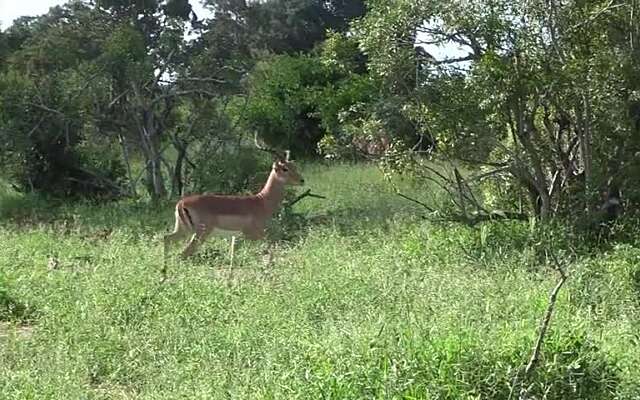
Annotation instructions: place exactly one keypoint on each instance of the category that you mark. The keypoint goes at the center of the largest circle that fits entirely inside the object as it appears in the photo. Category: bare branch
(163, 69)
(544, 325)
(306, 193)
(486, 163)
(204, 79)
(36, 126)
(476, 218)
(179, 93)
(542, 330)
(484, 175)
(468, 57)
(415, 201)
(47, 109)
(274, 152)
(608, 7)
(118, 97)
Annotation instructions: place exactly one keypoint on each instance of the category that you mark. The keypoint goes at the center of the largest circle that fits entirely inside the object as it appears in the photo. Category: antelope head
(283, 167)
(286, 172)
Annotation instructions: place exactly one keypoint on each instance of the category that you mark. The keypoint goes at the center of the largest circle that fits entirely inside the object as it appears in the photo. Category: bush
(52, 152)
(230, 172)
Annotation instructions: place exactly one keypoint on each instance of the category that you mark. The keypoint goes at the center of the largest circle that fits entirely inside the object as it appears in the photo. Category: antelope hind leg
(167, 241)
(171, 238)
(195, 241)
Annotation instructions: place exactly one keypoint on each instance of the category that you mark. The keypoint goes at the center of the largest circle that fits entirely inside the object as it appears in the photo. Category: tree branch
(404, 196)
(306, 193)
(178, 93)
(47, 109)
(544, 324)
(468, 57)
(542, 331)
(476, 218)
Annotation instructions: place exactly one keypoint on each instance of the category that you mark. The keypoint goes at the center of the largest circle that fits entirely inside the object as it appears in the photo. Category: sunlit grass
(363, 300)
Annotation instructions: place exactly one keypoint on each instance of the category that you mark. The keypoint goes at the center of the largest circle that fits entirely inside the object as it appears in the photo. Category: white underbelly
(231, 225)
(225, 233)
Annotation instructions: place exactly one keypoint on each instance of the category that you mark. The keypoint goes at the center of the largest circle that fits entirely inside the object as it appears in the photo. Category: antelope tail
(185, 217)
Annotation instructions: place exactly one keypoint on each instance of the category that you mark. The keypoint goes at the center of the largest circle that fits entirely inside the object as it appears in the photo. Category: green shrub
(230, 172)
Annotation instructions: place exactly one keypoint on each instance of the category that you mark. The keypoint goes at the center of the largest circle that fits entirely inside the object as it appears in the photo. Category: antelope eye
(285, 169)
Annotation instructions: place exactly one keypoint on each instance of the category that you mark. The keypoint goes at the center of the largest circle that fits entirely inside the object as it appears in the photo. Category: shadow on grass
(347, 221)
(12, 310)
(134, 310)
(27, 210)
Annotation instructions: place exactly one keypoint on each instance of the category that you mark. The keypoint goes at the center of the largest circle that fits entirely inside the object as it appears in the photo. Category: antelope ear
(287, 155)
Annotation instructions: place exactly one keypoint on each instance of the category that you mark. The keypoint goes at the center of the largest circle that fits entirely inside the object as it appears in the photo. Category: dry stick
(306, 193)
(460, 192)
(404, 196)
(544, 325)
(469, 220)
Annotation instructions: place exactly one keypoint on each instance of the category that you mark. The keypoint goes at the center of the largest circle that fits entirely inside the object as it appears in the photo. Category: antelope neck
(272, 193)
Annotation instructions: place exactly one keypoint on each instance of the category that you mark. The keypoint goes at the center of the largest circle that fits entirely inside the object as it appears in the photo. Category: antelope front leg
(233, 247)
(258, 233)
(269, 252)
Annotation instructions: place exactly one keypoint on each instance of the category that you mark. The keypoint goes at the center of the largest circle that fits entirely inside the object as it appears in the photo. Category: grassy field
(363, 299)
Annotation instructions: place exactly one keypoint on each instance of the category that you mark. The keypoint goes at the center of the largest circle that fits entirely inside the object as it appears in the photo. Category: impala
(205, 214)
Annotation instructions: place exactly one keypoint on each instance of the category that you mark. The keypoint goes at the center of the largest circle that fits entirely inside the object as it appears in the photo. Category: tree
(144, 48)
(42, 101)
(543, 95)
(284, 26)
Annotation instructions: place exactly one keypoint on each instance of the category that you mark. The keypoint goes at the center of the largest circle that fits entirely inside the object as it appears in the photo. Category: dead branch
(542, 331)
(484, 175)
(468, 192)
(474, 218)
(486, 216)
(544, 324)
(306, 193)
(461, 192)
(162, 70)
(117, 98)
(454, 60)
(415, 201)
(204, 79)
(48, 109)
(36, 126)
(179, 93)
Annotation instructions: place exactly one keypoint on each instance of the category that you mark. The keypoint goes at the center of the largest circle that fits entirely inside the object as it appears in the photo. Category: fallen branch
(473, 218)
(544, 325)
(306, 193)
(476, 218)
(404, 196)
(542, 331)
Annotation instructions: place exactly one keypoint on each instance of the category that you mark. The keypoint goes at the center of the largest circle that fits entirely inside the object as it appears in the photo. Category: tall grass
(364, 299)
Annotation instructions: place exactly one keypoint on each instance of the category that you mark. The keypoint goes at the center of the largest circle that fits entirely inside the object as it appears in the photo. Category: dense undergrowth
(363, 299)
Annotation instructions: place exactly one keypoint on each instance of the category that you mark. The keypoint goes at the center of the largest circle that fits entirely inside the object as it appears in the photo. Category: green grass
(364, 299)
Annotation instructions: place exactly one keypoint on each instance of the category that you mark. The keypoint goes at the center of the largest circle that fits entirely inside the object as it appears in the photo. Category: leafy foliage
(542, 94)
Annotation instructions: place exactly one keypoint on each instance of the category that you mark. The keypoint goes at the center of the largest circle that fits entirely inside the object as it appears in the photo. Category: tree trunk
(584, 136)
(177, 184)
(538, 180)
(127, 163)
(150, 139)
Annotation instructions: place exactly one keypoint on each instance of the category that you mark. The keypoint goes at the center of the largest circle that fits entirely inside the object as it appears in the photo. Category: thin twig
(544, 325)
(542, 330)
(415, 201)
(306, 193)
